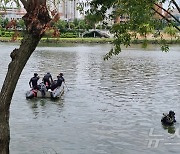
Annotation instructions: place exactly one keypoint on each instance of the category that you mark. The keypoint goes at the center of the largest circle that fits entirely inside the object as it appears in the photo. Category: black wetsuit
(34, 81)
(60, 80)
(46, 79)
(58, 83)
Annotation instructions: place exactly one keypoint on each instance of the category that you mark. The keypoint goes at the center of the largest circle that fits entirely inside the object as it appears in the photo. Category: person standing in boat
(59, 81)
(47, 79)
(33, 83)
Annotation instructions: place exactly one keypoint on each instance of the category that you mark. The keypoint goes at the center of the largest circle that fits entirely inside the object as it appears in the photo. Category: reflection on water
(170, 129)
(110, 108)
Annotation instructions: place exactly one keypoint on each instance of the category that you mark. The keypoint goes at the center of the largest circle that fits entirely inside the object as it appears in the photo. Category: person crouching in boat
(33, 83)
(47, 80)
(59, 81)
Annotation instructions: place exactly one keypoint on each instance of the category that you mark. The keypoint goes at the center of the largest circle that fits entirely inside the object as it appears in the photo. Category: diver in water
(168, 119)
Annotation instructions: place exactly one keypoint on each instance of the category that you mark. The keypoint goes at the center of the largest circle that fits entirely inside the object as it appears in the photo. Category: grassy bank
(89, 40)
(63, 40)
(77, 40)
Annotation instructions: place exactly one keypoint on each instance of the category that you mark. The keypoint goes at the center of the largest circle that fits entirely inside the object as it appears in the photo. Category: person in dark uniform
(60, 79)
(168, 119)
(58, 82)
(47, 79)
(33, 81)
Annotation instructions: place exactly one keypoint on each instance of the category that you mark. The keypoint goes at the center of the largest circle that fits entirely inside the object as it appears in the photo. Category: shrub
(8, 34)
(68, 35)
(2, 33)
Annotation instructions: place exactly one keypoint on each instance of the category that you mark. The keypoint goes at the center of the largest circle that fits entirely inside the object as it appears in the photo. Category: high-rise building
(69, 9)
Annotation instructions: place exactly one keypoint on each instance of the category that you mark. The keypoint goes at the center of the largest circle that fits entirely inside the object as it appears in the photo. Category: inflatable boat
(44, 93)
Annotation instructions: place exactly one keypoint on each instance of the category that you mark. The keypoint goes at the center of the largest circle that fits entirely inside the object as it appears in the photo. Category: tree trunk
(19, 59)
(36, 20)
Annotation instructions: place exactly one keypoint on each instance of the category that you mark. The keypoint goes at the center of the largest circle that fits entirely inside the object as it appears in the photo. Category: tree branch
(169, 21)
(176, 5)
(167, 12)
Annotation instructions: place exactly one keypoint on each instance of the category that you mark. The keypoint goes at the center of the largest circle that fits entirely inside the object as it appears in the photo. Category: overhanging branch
(167, 12)
(169, 21)
(176, 5)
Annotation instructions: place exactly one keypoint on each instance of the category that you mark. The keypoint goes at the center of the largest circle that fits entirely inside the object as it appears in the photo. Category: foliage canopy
(143, 17)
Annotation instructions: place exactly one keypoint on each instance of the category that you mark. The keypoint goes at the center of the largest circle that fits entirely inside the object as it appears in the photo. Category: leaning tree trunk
(36, 20)
(19, 59)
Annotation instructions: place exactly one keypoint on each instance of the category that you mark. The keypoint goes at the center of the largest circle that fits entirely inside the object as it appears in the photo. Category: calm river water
(112, 107)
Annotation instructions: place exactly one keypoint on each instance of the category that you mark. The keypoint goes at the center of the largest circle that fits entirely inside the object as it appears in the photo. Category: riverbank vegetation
(150, 40)
(72, 32)
(140, 18)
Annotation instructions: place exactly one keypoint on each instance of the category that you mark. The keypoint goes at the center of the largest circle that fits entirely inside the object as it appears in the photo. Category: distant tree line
(66, 28)
(77, 27)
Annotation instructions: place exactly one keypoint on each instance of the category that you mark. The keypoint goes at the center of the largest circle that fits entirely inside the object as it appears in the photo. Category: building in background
(69, 9)
(12, 13)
